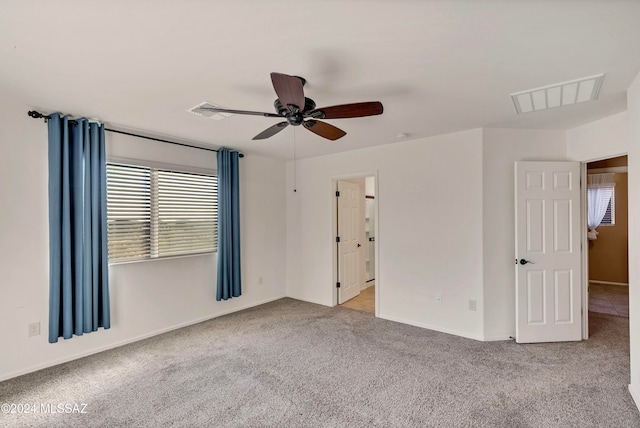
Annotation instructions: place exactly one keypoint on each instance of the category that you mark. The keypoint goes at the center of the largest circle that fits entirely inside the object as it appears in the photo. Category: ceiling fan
(297, 109)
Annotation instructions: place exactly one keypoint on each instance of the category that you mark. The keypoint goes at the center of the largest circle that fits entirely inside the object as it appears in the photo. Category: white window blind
(609, 218)
(128, 212)
(154, 212)
(187, 213)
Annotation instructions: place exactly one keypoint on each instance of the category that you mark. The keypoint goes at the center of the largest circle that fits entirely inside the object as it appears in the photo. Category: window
(609, 218)
(155, 212)
(600, 201)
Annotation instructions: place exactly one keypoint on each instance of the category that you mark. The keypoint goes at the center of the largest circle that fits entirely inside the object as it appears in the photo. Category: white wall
(501, 148)
(445, 226)
(633, 103)
(146, 297)
(604, 138)
(429, 195)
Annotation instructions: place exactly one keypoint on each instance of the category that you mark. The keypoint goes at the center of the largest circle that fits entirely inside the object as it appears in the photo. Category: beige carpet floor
(609, 299)
(295, 364)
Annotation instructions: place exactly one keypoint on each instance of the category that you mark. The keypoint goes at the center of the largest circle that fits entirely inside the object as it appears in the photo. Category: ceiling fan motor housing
(292, 113)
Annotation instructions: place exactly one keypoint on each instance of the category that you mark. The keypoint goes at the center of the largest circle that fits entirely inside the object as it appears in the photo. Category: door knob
(524, 262)
(359, 245)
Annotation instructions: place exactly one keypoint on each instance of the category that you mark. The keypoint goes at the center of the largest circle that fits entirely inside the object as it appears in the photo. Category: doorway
(608, 261)
(355, 263)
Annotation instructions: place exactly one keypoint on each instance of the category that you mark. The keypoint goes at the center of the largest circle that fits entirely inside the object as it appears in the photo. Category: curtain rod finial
(37, 115)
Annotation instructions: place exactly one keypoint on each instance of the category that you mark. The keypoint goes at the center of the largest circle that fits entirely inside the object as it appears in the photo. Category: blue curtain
(78, 263)
(229, 282)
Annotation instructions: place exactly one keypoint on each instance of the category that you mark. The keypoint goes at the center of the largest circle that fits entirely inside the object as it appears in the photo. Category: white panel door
(548, 255)
(349, 246)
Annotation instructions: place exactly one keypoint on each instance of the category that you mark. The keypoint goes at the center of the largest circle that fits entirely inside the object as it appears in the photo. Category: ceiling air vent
(201, 110)
(558, 95)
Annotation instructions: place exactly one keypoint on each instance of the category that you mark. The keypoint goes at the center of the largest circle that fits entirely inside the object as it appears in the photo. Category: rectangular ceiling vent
(558, 95)
(202, 110)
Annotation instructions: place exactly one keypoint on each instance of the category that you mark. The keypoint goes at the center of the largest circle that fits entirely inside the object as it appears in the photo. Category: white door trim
(584, 247)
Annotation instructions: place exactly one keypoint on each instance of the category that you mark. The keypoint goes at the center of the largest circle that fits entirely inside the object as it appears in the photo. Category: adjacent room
(607, 203)
(384, 213)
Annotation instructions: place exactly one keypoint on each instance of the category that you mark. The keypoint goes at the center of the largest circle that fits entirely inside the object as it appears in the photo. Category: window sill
(182, 256)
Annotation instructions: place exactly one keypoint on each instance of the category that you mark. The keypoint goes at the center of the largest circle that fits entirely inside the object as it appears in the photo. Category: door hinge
(337, 285)
(337, 193)
(337, 239)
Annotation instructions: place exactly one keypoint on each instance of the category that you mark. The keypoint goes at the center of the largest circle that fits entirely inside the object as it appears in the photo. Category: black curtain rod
(37, 115)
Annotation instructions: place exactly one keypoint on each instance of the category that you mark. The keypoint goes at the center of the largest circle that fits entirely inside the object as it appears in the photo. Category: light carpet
(295, 364)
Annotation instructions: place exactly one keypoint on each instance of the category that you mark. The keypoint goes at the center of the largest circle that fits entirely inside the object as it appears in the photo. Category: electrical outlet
(260, 280)
(472, 305)
(34, 329)
(438, 297)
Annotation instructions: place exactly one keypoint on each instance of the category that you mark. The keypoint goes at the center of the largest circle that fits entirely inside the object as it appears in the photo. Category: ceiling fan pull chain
(294, 160)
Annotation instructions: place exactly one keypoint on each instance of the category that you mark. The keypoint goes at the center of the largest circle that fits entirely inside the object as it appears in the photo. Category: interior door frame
(584, 250)
(585, 241)
(376, 228)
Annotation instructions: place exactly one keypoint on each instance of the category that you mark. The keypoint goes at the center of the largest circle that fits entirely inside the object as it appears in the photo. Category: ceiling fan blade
(289, 89)
(226, 110)
(323, 129)
(348, 110)
(271, 131)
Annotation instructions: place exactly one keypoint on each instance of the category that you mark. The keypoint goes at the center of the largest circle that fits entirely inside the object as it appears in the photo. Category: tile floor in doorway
(365, 301)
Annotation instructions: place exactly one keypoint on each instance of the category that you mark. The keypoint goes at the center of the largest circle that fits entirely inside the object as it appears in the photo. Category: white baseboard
(449, 331)
(315, 302)
(635, 394)
(368, 284)
(498, 338)
(79, 355)
(435, 328)
(625, 284)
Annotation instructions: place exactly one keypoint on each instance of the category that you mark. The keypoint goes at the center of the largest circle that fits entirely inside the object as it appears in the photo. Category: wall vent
(201, 110)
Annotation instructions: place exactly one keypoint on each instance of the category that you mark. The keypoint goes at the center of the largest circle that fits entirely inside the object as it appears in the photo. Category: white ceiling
(437, 66)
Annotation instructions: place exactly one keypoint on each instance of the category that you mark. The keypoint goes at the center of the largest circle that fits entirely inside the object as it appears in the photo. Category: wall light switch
(438, 297)
(472, 305)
